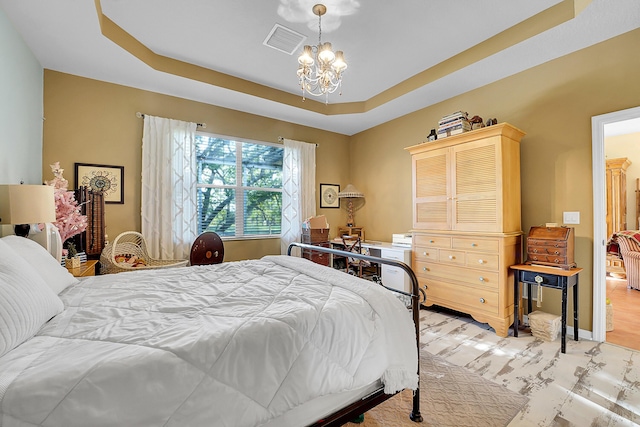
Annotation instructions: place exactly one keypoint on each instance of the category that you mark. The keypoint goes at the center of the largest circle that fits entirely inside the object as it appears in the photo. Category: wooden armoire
(466, 221)
(616, 190)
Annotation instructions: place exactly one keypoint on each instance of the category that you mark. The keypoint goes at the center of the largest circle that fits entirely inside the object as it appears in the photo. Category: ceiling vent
(284, 39)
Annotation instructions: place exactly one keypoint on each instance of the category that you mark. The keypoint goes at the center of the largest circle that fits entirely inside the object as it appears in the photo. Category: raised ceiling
(402, 56)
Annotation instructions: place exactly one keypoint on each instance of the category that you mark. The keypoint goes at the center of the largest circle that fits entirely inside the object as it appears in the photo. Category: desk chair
(356, 266)
(207, 249)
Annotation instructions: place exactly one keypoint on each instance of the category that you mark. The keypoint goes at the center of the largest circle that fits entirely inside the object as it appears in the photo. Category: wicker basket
(128, 252)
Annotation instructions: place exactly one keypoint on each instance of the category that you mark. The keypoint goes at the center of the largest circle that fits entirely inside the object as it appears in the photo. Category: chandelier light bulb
(306, 58)
(325, 53)
(339, 65)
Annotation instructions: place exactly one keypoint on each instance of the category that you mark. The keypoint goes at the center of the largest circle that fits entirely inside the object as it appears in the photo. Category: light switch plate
(571, 217)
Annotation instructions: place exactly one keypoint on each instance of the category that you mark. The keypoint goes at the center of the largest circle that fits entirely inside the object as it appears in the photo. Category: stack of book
(453, 124)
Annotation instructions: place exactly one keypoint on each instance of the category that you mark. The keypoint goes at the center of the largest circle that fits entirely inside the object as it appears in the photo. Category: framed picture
(329, 196)
(106, 179)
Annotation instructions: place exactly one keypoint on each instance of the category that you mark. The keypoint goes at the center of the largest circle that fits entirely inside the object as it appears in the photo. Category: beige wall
(89, 121)
(553, 103)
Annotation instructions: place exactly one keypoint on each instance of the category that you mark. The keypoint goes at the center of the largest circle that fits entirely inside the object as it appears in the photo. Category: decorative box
(72, 262)
(551, 246)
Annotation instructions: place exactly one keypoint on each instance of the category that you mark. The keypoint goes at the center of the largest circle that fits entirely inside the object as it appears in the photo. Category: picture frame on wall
(329, 196)
(106, 179)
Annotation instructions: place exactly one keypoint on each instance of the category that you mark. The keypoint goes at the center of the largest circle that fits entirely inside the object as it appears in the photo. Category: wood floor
(626, 314)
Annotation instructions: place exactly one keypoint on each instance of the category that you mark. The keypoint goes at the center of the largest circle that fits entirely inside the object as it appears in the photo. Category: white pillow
(52, 272)
(26, 302)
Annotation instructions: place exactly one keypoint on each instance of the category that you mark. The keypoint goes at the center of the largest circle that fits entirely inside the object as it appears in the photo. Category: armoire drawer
(452, 257)
(484, 261)
(478, 278)
(425, 253)
(476, 244)
(432, 241)
(450, 294)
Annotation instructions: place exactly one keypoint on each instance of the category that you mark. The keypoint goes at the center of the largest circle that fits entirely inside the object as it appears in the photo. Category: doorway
(599, 128)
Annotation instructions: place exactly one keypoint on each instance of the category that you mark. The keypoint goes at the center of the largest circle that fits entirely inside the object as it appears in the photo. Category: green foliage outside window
(239, 176)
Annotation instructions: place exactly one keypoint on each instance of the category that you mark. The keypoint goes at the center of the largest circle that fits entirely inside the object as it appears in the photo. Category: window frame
(239, 188)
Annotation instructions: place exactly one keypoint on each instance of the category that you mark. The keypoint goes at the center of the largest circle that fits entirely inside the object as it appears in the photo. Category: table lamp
(351, 194)
(22, 205)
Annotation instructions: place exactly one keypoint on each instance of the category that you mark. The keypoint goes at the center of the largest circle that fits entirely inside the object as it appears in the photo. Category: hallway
(626, 314)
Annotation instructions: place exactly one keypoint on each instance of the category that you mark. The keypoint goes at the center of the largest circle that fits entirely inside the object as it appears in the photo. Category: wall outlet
(571, 217)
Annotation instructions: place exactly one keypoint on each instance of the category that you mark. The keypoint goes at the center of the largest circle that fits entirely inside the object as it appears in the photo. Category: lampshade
(27, 204)
(350, 192)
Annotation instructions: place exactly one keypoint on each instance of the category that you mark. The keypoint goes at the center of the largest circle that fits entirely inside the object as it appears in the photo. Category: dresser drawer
(541, 243)
(432, 241)
(473, 244)
(483, 261)
(451, 257)
(478, 278)
(315, 256)
(458, 296)
(548, 259)
(425, 253)
(547, 250)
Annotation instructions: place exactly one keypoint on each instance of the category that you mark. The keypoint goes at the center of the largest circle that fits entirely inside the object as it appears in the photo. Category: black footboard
(352, 411)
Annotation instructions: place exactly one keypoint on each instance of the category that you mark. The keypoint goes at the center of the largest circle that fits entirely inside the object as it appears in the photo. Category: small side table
(548, 277)
(86, 269)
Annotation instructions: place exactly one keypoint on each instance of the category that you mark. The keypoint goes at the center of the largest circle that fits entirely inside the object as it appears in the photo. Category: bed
(249, 343)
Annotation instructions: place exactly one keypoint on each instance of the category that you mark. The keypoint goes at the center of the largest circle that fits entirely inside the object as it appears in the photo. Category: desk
(86, 269)
(392, 277)
(548, 277)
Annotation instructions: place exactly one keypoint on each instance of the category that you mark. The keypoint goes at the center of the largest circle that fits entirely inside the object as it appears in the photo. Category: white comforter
(235, 344)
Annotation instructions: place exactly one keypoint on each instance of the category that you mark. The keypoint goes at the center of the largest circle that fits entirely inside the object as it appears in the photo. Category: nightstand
(86, 269)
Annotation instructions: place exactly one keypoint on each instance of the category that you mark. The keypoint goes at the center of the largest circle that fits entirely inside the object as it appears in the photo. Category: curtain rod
(281, 141)
(141, 116)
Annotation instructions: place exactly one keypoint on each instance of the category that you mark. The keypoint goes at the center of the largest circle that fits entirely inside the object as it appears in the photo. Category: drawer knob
(481, 300)
(474, 245)
(480, 261)
(535, 250)
(425, 253)
(425, 269)
(481, 279)
(451, 257)
(538, 279)
(556, 252)
(430, 241)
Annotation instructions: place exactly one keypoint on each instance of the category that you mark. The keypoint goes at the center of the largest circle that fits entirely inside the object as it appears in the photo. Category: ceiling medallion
(320, 70)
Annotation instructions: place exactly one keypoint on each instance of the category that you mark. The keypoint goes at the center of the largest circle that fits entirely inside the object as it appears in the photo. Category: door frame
(599, 216)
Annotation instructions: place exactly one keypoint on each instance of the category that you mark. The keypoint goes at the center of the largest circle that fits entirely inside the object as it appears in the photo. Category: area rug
(449, 396)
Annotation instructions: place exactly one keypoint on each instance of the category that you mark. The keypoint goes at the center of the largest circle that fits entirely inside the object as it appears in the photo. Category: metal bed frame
(354, 410)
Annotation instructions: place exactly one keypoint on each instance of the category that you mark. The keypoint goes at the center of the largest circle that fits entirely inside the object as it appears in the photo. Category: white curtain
(298, 189)
(169, 210)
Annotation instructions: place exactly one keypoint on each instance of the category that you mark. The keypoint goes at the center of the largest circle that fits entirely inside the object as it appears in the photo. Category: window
(239, 186)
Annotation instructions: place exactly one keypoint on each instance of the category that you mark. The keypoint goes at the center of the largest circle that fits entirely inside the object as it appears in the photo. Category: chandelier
(320, 70)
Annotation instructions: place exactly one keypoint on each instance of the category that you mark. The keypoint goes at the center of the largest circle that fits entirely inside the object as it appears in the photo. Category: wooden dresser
(466, 220)
(317, 237)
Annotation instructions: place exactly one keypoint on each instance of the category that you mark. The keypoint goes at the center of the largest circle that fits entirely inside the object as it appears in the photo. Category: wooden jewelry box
(551, 246)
